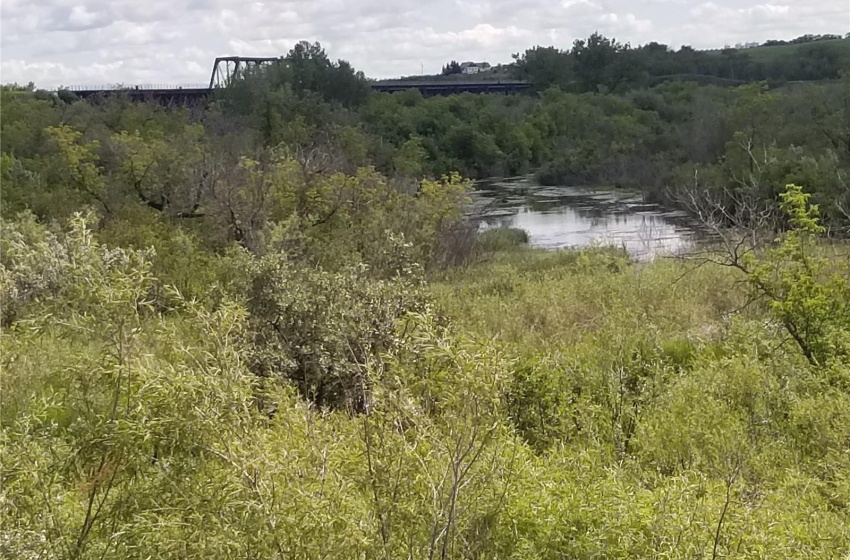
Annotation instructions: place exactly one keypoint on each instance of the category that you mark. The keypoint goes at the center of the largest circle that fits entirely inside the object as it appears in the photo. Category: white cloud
(711, 24)
(56, 42)
(81, 18)
(588, 3)
(757, 12)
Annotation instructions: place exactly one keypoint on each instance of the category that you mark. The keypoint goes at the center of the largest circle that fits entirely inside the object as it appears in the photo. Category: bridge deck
(194, 93)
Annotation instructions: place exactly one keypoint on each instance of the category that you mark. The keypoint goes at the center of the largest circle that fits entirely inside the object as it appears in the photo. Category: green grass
(540, 300)
(501, 239)
(768, 54)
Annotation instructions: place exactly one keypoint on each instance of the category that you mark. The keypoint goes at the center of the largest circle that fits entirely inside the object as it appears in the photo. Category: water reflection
(556, 217)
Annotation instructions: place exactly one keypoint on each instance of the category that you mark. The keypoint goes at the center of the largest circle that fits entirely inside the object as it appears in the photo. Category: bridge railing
(132, 87)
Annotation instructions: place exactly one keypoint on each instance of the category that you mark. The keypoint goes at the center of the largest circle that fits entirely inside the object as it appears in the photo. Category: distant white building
(474, 67)
(750, 45)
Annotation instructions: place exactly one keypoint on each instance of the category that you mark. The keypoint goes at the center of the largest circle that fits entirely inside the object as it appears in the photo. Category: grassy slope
(767, 54)
(542, 300)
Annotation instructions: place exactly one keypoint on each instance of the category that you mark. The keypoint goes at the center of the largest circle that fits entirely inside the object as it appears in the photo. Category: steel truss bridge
(230, 68)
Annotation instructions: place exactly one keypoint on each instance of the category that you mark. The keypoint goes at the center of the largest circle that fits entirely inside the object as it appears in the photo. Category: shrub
(806, 295)
(318, 329)
(60, 269)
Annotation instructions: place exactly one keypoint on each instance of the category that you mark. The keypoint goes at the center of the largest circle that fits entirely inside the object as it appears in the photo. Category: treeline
(663, 141)
(452, 67)
(596, 120)
(802, 39)
(602, 64)
(590, 124)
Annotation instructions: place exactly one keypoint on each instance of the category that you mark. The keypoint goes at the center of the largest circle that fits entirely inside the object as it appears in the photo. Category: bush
(57, 270)
(319, 329)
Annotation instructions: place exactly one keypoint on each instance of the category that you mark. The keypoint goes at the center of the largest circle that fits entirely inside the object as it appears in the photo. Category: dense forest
(602, 64)
(266, 327)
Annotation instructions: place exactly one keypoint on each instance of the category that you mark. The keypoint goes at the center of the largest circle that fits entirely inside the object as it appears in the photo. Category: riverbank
(571, 217)
(668, 377)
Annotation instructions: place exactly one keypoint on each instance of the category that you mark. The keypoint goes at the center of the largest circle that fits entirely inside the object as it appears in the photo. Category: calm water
(557, 217)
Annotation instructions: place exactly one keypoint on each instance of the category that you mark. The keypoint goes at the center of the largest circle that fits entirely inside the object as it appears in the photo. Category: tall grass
(501, 239)
(543, 299)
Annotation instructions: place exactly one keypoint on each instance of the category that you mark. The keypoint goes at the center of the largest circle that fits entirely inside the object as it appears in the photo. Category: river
(560, 217)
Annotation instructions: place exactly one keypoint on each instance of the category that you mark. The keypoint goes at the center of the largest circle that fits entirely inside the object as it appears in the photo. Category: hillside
(499, 73)
(773, 52)
(769, 49)
(793, 61)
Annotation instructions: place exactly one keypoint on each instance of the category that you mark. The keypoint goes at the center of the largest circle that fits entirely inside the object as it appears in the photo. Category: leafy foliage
(536, 405)
(266, 330)
(806, 295)
(600, 62)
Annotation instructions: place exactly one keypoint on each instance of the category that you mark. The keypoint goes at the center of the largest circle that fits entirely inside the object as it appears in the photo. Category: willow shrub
(671, 415)
(317, 328)
(132, 431)
(564, 405)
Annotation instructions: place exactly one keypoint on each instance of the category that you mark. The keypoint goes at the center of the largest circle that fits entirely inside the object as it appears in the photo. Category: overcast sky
(69, 42)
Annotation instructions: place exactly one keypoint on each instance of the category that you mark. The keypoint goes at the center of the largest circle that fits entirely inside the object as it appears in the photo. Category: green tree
(544, 67)
(595, 60)
(808, 298)
(452, 67)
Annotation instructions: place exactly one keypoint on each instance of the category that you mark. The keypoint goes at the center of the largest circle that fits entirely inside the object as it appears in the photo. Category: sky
(94, 42)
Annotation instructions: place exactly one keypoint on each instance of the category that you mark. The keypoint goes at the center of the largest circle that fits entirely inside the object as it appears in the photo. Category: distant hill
(780, 62)
(501, 73)
(769, 53)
